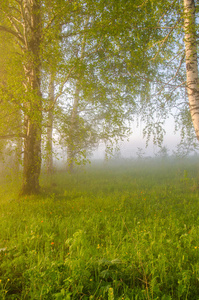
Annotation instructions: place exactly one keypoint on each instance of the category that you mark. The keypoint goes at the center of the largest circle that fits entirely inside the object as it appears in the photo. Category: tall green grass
(109, 232)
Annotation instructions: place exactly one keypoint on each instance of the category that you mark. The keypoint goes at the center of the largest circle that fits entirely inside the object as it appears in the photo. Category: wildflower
(98, 246)
(0, 280)
(91, 279)
(111, 295)
(52, 243)
(42, 221)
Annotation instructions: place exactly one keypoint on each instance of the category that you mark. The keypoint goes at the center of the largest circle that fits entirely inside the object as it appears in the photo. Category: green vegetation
(111, 232)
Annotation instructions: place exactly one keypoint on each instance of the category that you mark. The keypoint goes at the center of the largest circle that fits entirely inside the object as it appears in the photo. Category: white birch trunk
(72, 129)
(71, 151)
(49, 143)
(30, 10)
(191, 62)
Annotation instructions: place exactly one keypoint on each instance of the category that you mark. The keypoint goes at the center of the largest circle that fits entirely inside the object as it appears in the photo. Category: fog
(130, 147)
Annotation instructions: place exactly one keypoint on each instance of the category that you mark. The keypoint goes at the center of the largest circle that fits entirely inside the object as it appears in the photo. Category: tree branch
(176, 73)
(8, 30)
(60, 92)
(162, 42)
(10, 136)
(10, 18)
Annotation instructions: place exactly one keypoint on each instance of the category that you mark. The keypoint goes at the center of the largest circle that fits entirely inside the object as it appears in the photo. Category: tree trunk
(49, 143)
(72, 130)
(71, 151)
(33, 107)
(32, 160)
(191, 62)
(18, 155)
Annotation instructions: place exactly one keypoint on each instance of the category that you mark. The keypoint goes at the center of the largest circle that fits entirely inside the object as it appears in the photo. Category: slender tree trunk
(72, 130)
(33, 107)
(49, 143)
(71, 151)
(191, 62)
(18, 155)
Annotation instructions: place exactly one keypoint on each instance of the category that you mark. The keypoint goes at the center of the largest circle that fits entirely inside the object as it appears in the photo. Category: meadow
(125, 231)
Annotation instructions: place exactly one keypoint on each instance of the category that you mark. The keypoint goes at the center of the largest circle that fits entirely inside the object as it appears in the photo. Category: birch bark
(72, 129)
(191, 62)
(27, 30)
(30, 10)
(49, 143)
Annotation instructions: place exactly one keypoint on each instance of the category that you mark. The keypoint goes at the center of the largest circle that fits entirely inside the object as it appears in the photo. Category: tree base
(29, 190)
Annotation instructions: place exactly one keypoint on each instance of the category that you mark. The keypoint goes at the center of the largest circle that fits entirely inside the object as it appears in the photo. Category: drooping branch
(162, 42)
(176, 73)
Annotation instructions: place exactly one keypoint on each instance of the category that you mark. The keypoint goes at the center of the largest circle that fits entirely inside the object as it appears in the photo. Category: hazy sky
(129, 148)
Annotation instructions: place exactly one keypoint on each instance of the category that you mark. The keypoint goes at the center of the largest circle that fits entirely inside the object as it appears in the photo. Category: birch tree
(174, 57)
(50, 119)
(191, 62)
(104, 87)
(31, 13)
(22, 19)
(26, 22)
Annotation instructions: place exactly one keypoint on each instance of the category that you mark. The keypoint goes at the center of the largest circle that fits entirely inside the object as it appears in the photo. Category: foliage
(111, 232)
(106, 49)
(109, 61)
(167, 94)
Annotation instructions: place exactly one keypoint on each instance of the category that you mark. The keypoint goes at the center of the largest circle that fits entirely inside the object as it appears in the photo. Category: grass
(111, 232)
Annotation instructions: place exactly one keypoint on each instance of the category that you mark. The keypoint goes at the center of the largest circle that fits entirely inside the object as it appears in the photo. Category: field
(125, 231)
